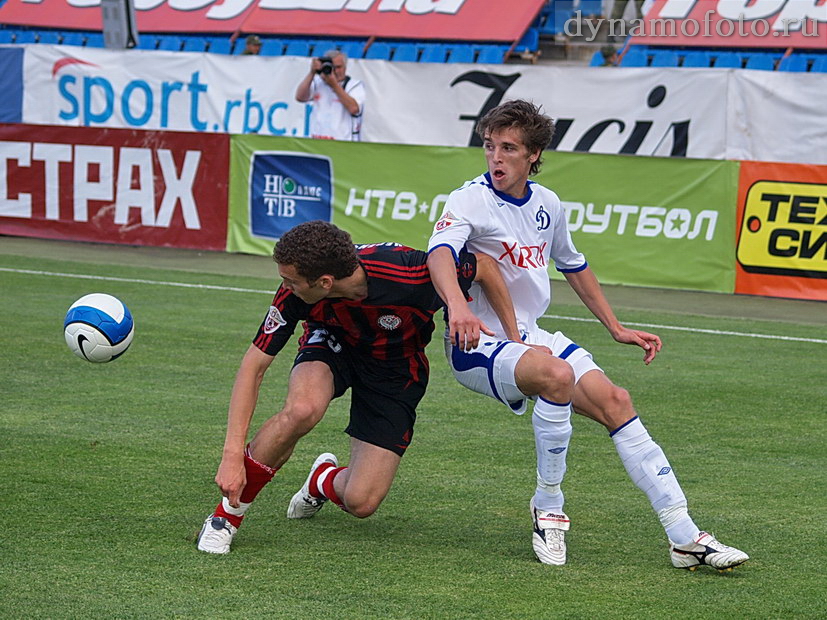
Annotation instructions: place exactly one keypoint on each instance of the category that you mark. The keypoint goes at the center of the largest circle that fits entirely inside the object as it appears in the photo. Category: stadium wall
(745, 227)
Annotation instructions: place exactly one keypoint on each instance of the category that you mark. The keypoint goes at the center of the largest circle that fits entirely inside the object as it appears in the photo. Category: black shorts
(384, 393)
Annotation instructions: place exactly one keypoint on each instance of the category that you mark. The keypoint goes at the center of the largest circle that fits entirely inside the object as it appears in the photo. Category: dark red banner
(114, 185)
(734, 23)
(466, 20)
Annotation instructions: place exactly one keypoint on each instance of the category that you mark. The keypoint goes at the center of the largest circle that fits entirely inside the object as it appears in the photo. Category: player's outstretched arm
(231, 477)
(588, 289)
(493, 285)
(463, 325)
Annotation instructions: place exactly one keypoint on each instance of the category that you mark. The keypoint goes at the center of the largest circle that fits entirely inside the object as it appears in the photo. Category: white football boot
(303, 505)
(216, 535)
(706, 550)
(549, 535)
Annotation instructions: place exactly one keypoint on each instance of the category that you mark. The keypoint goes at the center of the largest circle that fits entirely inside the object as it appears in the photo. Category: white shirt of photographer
(329, 118)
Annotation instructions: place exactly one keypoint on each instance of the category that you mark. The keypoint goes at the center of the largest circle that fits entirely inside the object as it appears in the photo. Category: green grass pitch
(107, 473)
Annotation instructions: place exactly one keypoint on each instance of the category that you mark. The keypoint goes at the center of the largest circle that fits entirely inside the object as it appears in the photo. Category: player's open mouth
(498, 174)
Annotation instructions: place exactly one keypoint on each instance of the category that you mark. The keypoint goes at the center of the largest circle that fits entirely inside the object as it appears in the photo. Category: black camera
(327, 65)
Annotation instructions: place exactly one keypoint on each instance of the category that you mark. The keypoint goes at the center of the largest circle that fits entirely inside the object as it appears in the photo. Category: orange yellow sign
(782, 231)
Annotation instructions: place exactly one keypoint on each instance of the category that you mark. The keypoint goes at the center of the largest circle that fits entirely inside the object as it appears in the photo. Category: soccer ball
(98, 328)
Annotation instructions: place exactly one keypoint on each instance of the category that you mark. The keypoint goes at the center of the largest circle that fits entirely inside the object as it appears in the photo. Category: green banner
(650, 221)
(639, 220)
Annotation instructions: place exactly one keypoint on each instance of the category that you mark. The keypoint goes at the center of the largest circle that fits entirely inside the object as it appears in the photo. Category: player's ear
(534, 156)
(326, 281)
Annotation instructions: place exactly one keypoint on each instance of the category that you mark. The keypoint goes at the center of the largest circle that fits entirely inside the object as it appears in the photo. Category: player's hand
(650, 343)
(465, 328)
(231, 479)
(540, 348)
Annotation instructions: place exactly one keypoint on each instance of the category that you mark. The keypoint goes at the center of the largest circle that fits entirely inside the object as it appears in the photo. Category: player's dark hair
(317, 248)
(536, 127)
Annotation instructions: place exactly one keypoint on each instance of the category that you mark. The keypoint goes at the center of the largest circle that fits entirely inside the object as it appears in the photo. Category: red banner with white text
(114, 186)
(466, 20)
(734, 23)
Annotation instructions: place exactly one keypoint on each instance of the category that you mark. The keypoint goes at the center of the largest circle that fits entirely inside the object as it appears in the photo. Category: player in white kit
(523, 226)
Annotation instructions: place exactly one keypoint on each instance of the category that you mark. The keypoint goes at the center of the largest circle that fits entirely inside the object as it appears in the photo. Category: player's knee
(618, 407)
(361, 506)
(559, 378)
(299, 418)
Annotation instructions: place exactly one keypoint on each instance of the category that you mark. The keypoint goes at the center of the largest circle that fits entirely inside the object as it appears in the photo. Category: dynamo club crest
(287, 189)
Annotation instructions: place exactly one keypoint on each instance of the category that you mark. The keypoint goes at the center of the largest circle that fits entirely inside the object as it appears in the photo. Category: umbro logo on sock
(664, 471)
(559, 450)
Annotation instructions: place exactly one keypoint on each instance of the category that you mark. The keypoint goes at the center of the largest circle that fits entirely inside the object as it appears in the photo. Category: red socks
(258, 475)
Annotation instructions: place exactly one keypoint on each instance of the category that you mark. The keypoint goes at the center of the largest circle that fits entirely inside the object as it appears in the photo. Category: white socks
(649, 469)
(552, 432)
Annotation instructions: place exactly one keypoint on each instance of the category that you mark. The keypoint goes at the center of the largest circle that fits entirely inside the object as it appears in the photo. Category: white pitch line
(233, 289)
(696, 330)
(82, 276)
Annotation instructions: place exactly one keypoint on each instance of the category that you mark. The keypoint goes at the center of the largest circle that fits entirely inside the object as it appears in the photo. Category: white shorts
(489, 368)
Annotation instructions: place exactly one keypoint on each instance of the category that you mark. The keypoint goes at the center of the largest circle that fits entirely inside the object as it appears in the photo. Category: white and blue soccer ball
(98, 327)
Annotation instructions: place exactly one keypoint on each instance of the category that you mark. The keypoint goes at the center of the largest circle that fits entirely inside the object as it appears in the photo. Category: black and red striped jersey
(395, 320)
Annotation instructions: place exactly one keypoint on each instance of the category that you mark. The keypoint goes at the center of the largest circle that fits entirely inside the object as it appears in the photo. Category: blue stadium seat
(591, 7)
(561, 12)
(379, 51)
(492, 54)
(320, 47)
(597, 59)
(461, 53)
(169, 43)
(6, 36)
(94, 39)
(819, 64)
(220, 45)
(353, 49)
(433, 52)
(297, 47)
(73, 38)
(52, 37)
(760, 62)
(635, 57)
(530, 41)
(194, 44)
(147, 42)
(664, 58)
(697, 59)
(26, 36)
(272, 47)
(406, 52)
(728, 60)
(793, 63)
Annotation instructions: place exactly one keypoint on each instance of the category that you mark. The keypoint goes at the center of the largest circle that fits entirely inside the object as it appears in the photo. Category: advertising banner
(450, 20)
(114, 186)
(782, 231)
(675, 232)
(472, 20)
(151, 15)
(734, 23)
(772, 119)
(702, 113)
(11, 85)
(177, 91)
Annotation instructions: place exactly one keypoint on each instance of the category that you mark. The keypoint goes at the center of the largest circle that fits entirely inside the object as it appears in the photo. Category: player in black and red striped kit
(368, 315)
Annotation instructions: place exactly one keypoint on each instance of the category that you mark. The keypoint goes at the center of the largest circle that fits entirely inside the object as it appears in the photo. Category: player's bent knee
(361, 508)
(300, 418)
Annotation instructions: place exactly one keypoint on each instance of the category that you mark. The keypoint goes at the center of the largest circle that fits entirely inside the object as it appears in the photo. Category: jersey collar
(508, 197)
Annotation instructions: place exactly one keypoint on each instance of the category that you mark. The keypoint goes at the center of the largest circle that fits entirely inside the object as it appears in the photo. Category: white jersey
(522, 234)
(329, 118)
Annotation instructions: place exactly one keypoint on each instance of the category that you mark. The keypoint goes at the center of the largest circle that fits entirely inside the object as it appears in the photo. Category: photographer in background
(338, 100)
